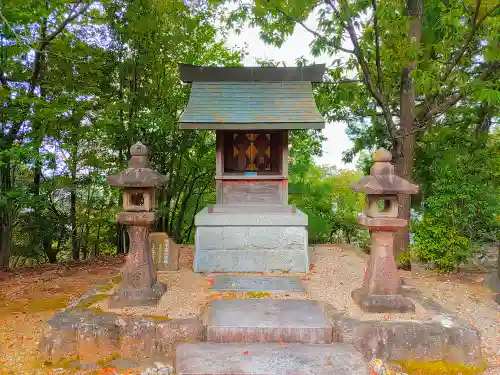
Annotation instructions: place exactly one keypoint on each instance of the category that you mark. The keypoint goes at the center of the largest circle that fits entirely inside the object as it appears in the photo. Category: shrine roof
(251, 105)
(193, 73)
(251, 98)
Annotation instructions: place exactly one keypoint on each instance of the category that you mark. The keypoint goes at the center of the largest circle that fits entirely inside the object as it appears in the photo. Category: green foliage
(332, 207)
(459, 171)
(440, 246)
(79, 85)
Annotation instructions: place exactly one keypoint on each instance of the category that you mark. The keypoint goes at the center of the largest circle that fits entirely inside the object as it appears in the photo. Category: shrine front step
(268, 321)
(268, 359)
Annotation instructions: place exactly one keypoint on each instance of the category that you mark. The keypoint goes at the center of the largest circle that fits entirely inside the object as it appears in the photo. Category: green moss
(105, 287)
(35, 306)
(258, 294)
(85, 304)
(117, 279)
(67, 363)
(439, 368)
(112, 357)
(158, 318)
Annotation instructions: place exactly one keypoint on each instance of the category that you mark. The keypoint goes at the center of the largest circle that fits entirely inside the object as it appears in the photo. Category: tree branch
(313, 32)
(73, 14)
(476, 23)
(376, 93)
(377, 46)
(444, 102)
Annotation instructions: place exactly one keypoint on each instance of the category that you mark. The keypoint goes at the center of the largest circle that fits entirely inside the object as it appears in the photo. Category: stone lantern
(381, 284)
(139, 182)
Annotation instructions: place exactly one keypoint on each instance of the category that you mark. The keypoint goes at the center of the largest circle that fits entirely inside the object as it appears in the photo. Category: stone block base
(125, 297)
(382, 303)
(251, 242)
(268, 359)
(268, 320)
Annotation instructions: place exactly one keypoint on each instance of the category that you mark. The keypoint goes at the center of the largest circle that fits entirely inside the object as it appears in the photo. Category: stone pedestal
(139, 285)
(381, 285)
(262, 240)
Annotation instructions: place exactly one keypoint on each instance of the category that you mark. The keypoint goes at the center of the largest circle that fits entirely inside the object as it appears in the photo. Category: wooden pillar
(284, 164)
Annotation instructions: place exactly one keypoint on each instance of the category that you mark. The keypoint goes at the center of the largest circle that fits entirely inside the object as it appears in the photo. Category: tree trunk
(75, 249)
(49, 251)
(405, 146)
(6, 217)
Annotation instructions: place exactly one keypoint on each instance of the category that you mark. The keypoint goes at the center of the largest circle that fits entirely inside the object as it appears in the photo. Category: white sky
(296, 46)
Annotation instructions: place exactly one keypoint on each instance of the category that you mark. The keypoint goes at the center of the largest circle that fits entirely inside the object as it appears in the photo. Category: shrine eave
(251, 105)
(251, 126)
(193, 73)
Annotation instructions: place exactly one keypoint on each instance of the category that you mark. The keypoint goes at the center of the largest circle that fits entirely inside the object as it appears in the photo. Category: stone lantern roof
(138, 174)
(382, 179)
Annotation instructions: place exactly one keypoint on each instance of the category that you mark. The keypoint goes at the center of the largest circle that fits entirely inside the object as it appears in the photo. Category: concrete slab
(268, 359)
(268, 320)
(258, 283)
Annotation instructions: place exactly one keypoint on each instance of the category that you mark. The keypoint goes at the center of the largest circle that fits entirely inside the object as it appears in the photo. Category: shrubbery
(459, 178)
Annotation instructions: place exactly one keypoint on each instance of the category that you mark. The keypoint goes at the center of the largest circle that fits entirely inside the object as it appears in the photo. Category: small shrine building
(251, 228)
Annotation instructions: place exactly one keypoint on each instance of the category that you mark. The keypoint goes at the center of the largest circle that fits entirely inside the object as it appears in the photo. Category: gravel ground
(336, 271)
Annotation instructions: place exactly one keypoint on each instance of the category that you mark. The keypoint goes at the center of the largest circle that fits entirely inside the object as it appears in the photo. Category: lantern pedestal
(381, 285)
(139, 286)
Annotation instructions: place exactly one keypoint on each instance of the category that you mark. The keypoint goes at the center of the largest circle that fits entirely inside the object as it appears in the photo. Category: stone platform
(268, 359)
(263, 240)
(268, 320)
(258, 283)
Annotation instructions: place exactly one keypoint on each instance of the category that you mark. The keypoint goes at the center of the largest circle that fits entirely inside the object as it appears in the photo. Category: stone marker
(268, 320)
(139, 285)
(164, 251)
(381, 284)
(258, 283)
(268, 359)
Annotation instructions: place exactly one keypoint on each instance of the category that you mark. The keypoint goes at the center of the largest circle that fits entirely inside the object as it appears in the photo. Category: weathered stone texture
(259, 192)
(258, 283)
(251, 243)
(164, 251)
(95, 336)
(251, 260)
(169, 333)
(268, 320)
(268, 359)
(430, 341)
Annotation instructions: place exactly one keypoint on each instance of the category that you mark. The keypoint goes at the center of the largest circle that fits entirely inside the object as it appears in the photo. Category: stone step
(268, 320)
(269, 359)
(271, 284)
